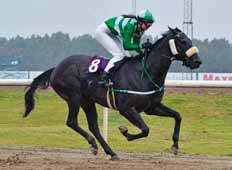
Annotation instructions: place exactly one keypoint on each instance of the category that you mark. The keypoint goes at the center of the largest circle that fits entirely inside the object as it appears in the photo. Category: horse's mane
(164, 35)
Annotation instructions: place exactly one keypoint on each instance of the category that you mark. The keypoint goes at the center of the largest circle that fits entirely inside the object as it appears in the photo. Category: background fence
(172, 79)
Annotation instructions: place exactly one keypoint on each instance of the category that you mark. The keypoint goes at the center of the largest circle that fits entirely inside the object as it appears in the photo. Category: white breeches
(111, 43)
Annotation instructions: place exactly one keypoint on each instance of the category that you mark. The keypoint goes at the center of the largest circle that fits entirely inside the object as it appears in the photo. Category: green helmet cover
(146, 16)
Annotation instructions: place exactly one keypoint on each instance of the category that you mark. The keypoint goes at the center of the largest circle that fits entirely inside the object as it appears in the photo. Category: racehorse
(138, 87)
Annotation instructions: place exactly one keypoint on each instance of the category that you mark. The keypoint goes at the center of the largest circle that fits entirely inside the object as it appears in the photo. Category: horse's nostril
(198, 64)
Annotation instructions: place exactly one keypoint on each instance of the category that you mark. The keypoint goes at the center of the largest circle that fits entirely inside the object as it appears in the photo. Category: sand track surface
(26, 158)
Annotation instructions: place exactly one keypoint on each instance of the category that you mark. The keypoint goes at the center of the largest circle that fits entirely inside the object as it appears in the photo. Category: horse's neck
(158, 63)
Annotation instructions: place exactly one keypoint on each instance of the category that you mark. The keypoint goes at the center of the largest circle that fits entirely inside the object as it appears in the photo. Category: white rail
(198, 83)
(168, 83)
(15, 82)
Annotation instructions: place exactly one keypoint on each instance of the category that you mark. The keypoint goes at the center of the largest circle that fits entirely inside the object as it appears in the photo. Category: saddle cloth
(97, 64)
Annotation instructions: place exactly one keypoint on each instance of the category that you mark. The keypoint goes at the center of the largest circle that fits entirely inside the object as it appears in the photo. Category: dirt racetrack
(15, 158)
(26, 158)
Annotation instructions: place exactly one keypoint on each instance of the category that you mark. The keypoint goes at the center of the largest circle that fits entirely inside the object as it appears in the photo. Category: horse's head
(182, 49)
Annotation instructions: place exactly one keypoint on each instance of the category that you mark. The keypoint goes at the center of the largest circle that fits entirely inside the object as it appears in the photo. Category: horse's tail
(41, 81)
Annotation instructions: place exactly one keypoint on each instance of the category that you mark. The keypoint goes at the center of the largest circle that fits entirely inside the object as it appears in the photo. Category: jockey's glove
(140, 52)
(147, 45)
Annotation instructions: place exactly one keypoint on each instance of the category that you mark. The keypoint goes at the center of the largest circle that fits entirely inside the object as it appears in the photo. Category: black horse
(138, 87)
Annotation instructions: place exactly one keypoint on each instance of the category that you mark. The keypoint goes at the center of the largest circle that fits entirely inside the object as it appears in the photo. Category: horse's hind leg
(92, 117)
(68, 86)
(72, 121)
(135, 118)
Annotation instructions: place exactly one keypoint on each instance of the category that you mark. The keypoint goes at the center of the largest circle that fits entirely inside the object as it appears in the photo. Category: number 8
(94, 65)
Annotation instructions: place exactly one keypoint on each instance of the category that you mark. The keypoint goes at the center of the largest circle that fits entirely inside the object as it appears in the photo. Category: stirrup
(110, 83)
(107, 83)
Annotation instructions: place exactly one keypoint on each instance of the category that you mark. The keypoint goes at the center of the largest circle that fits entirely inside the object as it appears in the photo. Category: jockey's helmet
(145, 16)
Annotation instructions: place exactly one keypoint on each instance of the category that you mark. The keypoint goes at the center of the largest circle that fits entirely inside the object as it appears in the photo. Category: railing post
(105, 123)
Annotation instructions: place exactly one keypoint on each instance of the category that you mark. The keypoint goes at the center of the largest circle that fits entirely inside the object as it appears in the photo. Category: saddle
(98, 63)
(97, 66)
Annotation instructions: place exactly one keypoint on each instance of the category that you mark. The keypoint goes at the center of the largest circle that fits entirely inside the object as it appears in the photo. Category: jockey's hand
(140, 54)
(147, 45)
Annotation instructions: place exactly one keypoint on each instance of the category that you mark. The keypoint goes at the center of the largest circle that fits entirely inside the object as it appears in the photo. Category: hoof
(123, 130)
(174, 150)
(94, 150)
(115, 158)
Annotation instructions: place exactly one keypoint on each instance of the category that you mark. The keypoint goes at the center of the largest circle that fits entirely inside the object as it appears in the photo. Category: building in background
(10, 63)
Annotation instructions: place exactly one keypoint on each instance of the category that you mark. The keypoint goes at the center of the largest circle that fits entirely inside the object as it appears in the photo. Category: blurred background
(37, 35)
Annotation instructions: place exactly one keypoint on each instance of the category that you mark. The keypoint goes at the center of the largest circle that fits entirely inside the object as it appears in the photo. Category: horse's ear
(171, 29)
(178, 29)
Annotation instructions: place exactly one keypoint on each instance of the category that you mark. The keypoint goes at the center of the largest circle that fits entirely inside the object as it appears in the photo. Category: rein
(150, 78)
(112, 90)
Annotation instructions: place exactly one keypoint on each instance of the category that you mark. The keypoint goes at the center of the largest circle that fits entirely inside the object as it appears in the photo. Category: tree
(43, 52)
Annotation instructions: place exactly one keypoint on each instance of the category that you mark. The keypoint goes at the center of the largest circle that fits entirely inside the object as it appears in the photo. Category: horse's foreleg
(92, 117)
(161, 110)
(135, 118)
(72, 122)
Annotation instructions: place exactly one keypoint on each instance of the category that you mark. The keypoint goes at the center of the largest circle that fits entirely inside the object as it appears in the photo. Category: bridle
(177, 51)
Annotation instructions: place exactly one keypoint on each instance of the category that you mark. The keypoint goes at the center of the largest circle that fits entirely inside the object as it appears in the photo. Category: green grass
(206, 126)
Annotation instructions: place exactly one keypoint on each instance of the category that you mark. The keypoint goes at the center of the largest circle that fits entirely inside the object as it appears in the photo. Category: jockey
(121, 36)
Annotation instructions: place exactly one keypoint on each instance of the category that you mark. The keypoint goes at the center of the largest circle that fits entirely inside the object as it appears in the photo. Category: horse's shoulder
(132, 64)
